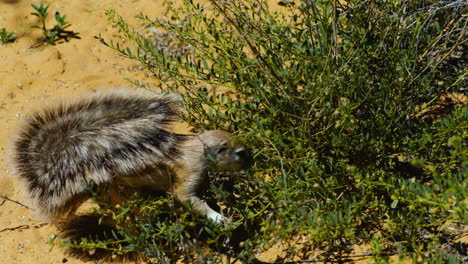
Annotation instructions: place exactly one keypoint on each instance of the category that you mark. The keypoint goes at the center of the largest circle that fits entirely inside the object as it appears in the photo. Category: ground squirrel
(116, 138)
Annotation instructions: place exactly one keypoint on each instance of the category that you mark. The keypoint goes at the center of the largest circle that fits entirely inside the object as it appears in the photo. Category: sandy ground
(32, 78)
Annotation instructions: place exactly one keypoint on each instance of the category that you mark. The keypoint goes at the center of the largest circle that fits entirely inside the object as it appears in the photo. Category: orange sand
(32, 78)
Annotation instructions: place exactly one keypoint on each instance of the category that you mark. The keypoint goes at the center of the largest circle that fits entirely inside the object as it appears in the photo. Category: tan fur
(117, 138)
(190, 169)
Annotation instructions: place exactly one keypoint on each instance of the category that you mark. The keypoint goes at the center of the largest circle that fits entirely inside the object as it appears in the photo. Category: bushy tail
(63, 151)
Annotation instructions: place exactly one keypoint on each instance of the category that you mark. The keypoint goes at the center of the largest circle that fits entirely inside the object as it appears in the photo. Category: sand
(31, 78)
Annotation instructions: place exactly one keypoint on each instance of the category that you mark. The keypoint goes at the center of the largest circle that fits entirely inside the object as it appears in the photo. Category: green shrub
(330, 97)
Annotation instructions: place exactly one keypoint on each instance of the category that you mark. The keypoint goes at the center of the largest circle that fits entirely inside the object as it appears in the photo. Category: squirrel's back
(63, 150)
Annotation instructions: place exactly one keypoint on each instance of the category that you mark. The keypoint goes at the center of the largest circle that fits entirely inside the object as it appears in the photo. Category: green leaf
(437, 26)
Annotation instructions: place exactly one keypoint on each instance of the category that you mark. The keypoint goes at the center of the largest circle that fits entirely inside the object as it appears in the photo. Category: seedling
(6, 36)
(58, 33)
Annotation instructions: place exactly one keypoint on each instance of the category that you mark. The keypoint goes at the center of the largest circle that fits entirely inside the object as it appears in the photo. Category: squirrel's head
(224, 152)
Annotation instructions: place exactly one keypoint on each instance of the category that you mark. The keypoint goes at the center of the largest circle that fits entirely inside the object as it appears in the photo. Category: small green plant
(58, 33)
(6, 36)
